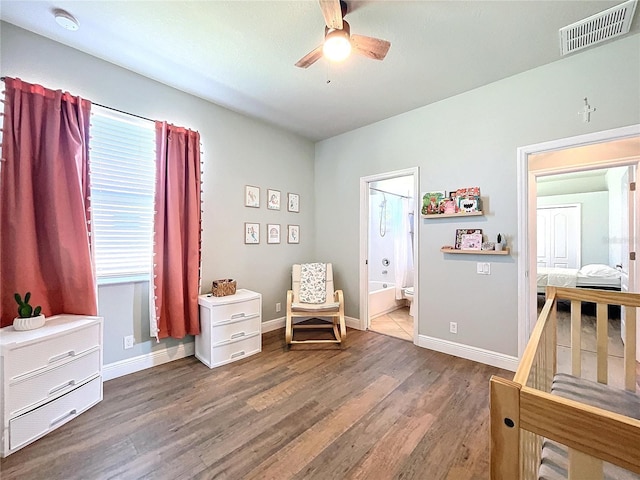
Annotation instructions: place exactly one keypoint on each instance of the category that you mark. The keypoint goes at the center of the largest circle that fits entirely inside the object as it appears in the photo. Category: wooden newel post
(505, 429)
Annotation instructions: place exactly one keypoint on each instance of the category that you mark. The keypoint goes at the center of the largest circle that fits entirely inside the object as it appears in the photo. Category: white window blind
(122, 172)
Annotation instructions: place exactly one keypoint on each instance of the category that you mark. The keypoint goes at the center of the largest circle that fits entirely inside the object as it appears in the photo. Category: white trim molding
(148, 360)
(475, 354)
(277, 323)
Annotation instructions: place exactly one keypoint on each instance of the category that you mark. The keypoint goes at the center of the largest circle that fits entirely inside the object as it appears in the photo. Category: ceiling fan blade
(310, 58)
(332, 13)
(370, 47)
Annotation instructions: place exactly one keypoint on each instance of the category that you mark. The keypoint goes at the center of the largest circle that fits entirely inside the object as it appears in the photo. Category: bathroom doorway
(389, 287)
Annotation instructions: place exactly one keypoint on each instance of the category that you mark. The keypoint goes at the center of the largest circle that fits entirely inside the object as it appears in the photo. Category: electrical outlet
(453, 327)
(128, 342)
(278, 307)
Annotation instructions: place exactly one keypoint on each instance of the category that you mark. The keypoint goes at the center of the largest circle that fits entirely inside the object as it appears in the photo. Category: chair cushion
(313, 283)
(295, 282)
(314, 307)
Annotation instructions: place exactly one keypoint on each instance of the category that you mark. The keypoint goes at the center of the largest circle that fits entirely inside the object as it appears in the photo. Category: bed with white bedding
(589, 276)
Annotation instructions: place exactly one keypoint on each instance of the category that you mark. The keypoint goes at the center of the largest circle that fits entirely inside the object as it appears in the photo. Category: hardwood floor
(380, 408)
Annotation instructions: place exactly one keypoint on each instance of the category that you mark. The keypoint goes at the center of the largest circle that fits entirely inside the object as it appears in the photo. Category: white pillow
(599, 270)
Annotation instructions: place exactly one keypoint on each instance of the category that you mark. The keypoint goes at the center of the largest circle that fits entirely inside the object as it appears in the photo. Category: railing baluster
(576, 330)
(602, 333)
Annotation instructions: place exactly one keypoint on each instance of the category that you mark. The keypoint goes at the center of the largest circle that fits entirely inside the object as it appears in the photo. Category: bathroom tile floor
(397, 324)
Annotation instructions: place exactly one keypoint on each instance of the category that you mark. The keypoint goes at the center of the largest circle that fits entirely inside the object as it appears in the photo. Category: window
(122, 171)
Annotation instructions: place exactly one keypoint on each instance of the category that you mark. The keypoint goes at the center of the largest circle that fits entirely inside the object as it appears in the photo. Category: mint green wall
(468, 140)
(238, 151)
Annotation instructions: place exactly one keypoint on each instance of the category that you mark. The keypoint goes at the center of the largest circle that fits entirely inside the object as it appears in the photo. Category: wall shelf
(476, 252)
(452, 215)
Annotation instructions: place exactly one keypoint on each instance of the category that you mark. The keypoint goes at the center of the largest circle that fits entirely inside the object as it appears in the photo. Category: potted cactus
(499, 243)
(28, 318)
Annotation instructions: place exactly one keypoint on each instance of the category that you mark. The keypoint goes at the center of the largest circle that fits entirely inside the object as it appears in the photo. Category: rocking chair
(333, 307)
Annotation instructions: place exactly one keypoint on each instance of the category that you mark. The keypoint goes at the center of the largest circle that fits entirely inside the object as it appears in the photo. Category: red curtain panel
(44, 202)
(176, 232)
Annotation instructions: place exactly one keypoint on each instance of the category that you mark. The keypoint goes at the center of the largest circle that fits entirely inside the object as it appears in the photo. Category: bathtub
(382, 298)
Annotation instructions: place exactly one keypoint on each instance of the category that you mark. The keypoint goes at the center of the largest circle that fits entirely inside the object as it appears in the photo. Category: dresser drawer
(51, 351)
(51, 383)
(230, 352)
(235, 311)
(30, 426)
(234, 330)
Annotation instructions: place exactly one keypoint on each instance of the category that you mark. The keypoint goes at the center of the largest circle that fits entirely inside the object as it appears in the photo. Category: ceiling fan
(338, 41)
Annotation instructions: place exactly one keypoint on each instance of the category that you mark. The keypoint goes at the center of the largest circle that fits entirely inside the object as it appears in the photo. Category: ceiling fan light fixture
(337, 45)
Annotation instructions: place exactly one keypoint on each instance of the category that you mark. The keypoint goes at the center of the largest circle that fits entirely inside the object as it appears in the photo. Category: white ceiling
(241, 54)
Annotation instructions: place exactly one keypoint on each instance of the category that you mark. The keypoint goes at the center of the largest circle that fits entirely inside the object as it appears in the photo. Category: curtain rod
(111, 108)
(388, 193)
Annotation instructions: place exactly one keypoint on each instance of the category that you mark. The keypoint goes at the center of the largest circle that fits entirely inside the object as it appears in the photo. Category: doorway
(583, 154)
(389, 243)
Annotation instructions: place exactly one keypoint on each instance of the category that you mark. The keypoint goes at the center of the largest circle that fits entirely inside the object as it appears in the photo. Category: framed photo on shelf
(293, 202)
(273, 199)
(251, 233)
(251, 196)
(471, 241)
(273, 233)
(293, 233)
(431, 202)
(466, 231)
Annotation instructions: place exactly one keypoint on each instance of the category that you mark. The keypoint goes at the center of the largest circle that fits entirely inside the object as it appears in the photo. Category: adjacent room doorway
(609, 149)
(389, 253)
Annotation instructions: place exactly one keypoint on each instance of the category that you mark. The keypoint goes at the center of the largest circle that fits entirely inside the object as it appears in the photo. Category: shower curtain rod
(388, 193)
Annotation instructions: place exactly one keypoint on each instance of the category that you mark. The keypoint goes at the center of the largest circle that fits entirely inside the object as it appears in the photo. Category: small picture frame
(273, 233)
(251, 196)
(273, 199)
(465, 231)
(471, 241)
(293, 202)
(293, 233)
(251, 233)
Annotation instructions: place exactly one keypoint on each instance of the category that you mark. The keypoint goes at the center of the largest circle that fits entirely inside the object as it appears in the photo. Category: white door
(559, 236)
(627, 237)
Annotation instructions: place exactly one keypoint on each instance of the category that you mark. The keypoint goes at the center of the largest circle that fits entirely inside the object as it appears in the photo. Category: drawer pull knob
(237, 315)
(61, 387)
(66, 415)
(237, 335)
(237, 354)
(62, 356)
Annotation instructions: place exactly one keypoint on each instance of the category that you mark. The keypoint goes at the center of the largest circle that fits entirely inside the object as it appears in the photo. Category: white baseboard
(277, 323)
(142, 362)
(476, 354)
(354, 323)
(274, 324)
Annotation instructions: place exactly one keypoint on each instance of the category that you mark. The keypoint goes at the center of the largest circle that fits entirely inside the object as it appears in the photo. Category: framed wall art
(293, 233)
(273, 199)
(251, 196)
(293, 202)
(273, 233)
(471, 241)
(465, 231)
(251, 233)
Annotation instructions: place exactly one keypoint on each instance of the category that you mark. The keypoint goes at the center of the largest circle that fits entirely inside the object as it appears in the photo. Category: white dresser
(230, 327)
(49, 376)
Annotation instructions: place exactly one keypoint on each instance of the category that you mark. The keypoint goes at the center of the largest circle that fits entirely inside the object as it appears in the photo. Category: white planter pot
(498, 247)
(30, 323)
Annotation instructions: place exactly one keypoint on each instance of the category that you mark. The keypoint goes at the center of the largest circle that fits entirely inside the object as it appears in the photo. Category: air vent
(597, 28)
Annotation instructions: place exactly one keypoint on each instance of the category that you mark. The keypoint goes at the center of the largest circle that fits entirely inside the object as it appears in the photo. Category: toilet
(407, 292)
